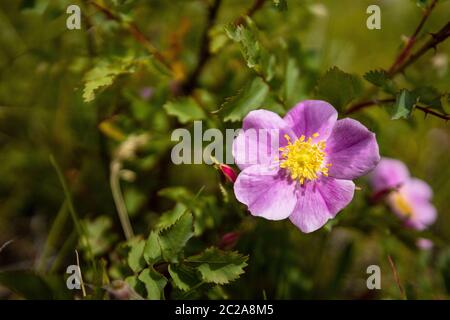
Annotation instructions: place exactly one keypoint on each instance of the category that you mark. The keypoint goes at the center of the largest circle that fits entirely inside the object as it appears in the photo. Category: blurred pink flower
(409, 198)
(424, 244)
(146, 93)
(309, 178)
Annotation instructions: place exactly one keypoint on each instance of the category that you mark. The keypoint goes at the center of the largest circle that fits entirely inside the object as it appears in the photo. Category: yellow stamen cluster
(304, 159)
(401, 204)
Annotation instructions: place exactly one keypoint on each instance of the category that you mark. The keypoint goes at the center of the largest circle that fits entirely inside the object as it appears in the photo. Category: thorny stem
(412, 40)
(436, 39)
(403, 63)
(365, 104)
(116, 166)
(446, 117)
(373, 102)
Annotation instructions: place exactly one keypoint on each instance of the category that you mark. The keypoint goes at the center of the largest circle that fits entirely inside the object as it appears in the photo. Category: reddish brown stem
(412, 40)
(364, 104)
(396, 277)
(255, 7)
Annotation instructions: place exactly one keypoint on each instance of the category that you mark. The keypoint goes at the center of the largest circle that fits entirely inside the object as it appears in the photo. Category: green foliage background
(78, 95)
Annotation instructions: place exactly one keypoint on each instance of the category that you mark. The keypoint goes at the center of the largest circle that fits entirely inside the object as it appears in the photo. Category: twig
(412, 40)
(369, 103)
(396, 277)
(255, 7)
(204, 54)
(134, 31)
(446, 117)
(7, 243)
(436, 39)
(364, 104)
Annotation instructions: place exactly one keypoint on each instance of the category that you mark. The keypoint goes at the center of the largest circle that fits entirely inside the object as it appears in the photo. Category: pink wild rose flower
(409, 198)
(305, 163)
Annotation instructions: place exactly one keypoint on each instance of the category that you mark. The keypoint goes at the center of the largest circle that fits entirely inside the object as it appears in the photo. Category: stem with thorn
(403, 62)
(412, 40)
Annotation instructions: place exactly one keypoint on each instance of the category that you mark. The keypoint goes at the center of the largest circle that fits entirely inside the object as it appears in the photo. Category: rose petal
(258, 143)
(388, 174)
(319, 201)
(312, 116)
(417, 189)
(266, 191)
(417, 194)
(352, 150)
(424, 214)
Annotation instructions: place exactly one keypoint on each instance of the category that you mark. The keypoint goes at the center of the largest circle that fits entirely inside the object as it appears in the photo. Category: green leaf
(403, 105)
(338, 87)
(256, 57)
(218, 38)
(170, 217)
(152, 249)
(380, 79)
(183, 277)
(178, 194)
(218, 266)
(99, 236)
(251, 97)
(201, 207)
(136, 259)
(185, 109)
(134, 200)
(154, 283)
(249, 44)
(104, 74)
(174, 238)
(137, 286)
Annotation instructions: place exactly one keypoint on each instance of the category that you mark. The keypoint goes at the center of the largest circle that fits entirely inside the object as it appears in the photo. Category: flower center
(304, 159)
(401, 204)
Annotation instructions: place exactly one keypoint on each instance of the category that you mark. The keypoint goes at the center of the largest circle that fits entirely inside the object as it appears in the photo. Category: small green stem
(82, 233)
(118, 199)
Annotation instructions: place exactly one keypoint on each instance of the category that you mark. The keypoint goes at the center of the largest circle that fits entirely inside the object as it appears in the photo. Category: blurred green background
(42, 113)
